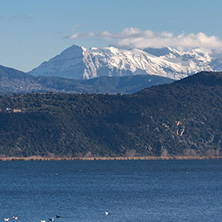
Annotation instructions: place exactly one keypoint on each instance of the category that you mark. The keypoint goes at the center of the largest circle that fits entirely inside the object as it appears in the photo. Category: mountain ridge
(79, 62)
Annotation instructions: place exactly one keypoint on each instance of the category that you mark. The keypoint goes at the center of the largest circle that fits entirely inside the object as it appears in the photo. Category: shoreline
(39, 158)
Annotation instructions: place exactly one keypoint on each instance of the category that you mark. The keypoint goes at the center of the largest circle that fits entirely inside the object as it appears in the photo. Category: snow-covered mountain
(81, 63)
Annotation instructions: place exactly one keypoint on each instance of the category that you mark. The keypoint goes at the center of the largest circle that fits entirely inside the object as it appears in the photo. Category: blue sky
(34, 31)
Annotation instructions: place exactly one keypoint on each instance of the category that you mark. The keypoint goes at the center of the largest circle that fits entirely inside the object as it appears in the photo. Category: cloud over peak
(135, 38)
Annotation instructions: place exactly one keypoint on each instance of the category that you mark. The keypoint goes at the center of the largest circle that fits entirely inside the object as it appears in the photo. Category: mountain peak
(78, 62)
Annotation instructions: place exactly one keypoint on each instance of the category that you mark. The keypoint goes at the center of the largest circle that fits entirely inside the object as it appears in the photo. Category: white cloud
(136, 38)
(83, 35)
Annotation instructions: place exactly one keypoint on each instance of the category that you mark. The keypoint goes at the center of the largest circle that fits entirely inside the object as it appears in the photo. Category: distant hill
(102, 85)
(14, 81)
(178, 119)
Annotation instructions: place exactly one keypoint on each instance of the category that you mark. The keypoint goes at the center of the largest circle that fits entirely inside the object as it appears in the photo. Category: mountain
(178, 119)
(14, 81)
(81, 63)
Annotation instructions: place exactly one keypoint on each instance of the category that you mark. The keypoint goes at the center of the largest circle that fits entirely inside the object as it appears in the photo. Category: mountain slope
(78, 62)
(60, 65)
(14, 81)
(179, 119)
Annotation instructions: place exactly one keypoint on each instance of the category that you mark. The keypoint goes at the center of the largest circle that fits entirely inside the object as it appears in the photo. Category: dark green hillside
(183, 118)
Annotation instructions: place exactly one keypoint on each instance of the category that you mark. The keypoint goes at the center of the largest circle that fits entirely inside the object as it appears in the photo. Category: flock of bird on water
(50, 219)
(16, 218)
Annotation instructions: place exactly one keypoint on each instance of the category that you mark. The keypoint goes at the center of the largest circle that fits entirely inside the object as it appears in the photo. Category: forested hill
(180, 119)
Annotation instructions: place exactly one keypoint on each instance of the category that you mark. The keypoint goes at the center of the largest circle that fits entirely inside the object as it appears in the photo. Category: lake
(141, 190)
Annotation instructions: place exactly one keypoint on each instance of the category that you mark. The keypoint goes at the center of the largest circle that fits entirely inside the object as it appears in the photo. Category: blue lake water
(149, 190)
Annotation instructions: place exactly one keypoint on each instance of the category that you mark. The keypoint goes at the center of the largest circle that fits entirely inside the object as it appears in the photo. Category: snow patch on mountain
(81, 63)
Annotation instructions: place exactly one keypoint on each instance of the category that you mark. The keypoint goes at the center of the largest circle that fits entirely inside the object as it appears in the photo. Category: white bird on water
(15, 218)
(6, 219)
(106, 213)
